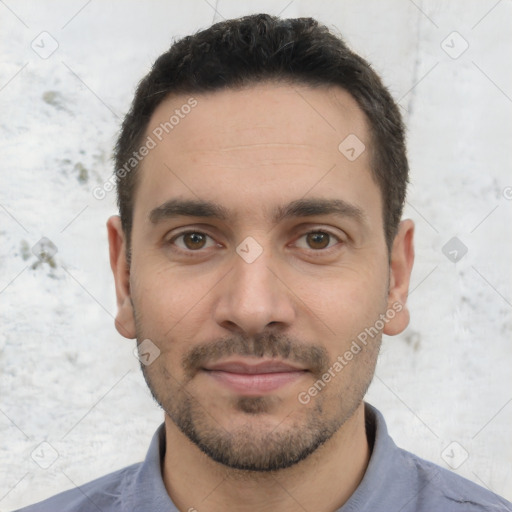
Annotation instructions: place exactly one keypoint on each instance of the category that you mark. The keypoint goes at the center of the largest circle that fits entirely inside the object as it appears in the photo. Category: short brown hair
(257, 48)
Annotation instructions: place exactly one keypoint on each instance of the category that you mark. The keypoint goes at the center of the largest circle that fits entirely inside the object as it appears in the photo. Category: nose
(254, 296)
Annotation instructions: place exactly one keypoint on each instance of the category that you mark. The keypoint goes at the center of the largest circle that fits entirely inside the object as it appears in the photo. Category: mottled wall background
(69, 381)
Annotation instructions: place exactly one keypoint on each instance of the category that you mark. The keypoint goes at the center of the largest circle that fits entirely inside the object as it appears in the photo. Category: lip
(253, 379)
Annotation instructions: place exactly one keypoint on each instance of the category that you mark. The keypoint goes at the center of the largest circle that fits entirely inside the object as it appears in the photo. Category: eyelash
(316, 252)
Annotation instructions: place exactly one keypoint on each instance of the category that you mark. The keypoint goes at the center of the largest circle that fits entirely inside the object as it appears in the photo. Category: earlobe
(402, 260)
(125, 321)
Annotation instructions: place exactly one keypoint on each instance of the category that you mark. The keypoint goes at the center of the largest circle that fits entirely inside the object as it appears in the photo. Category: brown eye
(194, 240)
(318, 240)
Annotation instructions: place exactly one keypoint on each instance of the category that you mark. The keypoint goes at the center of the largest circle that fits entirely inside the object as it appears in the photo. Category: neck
(323, 482)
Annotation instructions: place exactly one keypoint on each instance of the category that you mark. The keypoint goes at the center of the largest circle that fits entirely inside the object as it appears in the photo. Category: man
(258, 258)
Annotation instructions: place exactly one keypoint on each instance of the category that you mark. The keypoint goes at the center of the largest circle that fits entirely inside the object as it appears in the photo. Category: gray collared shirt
(395, 481)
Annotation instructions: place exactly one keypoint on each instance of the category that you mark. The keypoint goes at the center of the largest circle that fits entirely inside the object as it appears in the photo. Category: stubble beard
(258, 445)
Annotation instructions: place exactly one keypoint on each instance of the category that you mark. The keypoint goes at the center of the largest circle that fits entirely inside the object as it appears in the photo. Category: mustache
(314, 357)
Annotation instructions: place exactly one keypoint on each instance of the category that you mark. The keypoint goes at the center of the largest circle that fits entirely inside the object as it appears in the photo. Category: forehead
(257, 147)
(266, 113)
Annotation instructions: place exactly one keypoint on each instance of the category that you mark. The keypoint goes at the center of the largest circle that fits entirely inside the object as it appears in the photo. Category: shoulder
(107, 493)
(445, 490)
(400, 480)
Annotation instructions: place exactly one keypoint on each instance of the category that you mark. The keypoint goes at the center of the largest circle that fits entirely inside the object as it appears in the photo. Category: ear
(402, 259)
(125, 321)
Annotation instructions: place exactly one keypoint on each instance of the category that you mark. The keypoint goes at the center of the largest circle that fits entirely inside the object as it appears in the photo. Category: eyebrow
(298, 208)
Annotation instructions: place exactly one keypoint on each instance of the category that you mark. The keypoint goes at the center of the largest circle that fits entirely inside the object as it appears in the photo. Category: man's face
(252, 301)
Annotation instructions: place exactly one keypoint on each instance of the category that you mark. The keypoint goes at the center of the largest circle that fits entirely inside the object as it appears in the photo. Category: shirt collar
(391, 480)
(149, 492)
(373, 493)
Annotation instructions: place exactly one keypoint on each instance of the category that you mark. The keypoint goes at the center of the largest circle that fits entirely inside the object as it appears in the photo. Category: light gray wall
(67, 377)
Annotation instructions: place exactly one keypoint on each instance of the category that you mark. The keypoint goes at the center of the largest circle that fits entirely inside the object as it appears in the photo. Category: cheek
(170, 303)
(159, 303)
(347, 300)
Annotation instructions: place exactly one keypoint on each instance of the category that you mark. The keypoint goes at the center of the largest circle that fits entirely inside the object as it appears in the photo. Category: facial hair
(255, 445)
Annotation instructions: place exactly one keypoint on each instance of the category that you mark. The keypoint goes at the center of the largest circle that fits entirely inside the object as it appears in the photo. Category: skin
(252, 150)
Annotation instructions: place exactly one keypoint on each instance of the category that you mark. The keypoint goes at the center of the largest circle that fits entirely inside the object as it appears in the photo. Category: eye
(192, 241)
(318, 240)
